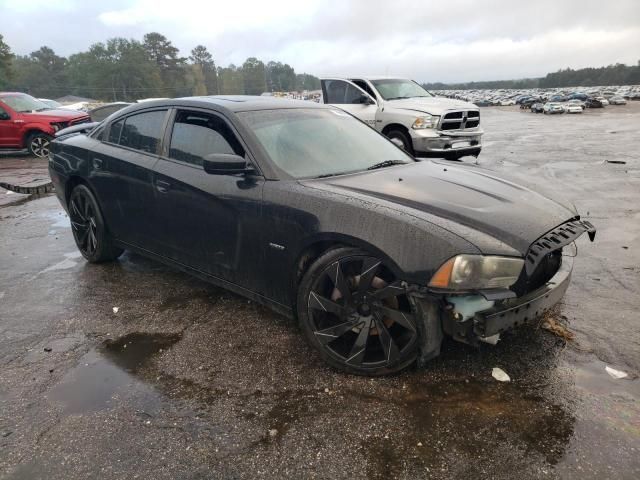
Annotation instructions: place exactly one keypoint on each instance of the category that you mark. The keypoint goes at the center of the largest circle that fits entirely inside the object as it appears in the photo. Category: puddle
(106, 375)
(132, 351)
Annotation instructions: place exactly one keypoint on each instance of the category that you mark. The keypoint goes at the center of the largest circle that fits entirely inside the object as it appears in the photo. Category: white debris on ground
(115, 309)
(617, 374)
(500, 375)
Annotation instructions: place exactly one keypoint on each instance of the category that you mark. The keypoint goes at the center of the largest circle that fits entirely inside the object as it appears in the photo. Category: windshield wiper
(325, 175)
(396, 98)
(386, 163)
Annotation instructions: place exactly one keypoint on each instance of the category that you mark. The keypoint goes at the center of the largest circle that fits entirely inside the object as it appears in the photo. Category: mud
(189, 381)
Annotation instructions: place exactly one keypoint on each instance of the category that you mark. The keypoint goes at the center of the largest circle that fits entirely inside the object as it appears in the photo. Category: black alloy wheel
(89, 230)
(356, 314)
(38, 145)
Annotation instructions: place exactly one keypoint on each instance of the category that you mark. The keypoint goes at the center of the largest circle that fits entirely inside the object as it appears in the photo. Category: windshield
(24, 103)
(395, 88)
(320, 142)
(50, 103)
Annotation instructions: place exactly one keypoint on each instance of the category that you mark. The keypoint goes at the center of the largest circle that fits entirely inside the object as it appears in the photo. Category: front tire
(38, 144)
(357, 315)
(401, 139)
(89, 230)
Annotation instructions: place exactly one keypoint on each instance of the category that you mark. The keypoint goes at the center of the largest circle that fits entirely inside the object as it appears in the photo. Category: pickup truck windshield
(308, 143)
(397, 88)
(24, 103)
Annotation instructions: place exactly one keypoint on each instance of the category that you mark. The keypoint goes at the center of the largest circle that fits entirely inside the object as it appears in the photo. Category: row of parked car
(613, 95)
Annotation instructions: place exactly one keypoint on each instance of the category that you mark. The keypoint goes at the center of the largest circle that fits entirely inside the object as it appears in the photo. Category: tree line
(123, 69)
(618, 74)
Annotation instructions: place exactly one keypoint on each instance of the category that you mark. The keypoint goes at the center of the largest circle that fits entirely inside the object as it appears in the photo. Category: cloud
(456, 40)
(28, 6)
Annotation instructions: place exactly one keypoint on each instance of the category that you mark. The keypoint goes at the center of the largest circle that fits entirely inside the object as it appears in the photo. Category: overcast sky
(450, 40)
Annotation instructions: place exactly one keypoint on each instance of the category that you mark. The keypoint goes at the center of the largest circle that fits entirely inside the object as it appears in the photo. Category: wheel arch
(72, 182)
(315, 247)
(395, 126)
(29, 132)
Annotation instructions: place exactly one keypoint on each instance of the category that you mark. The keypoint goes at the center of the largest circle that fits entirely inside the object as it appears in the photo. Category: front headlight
(477, 272)
(427, 121)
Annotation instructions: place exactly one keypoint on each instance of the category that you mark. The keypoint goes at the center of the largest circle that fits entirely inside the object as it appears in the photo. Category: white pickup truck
(414, 119)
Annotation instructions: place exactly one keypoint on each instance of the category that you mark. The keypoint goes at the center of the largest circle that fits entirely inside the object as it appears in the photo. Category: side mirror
(365, 100)
(4, 116)
(226, 164)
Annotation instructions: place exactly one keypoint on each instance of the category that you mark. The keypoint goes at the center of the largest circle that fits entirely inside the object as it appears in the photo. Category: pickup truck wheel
(88, 227)
(38, 144)
(401, 139)
(356, 314)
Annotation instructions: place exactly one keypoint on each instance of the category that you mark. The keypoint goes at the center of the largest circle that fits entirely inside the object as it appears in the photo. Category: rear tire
(38, 144)
(357, 316)
(401, 139)
(89, 229)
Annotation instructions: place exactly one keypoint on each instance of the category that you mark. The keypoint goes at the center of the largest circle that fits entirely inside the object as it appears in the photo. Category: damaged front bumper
(448, 141)
(517, 311)
(473, 318)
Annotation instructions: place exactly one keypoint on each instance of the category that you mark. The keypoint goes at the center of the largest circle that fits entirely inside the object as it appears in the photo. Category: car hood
(466, 195)
(56, 115)
(431, 105)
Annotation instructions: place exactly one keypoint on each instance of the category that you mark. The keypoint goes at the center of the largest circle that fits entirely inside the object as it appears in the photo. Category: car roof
(233, 103)
(365, 77)
(11, 94)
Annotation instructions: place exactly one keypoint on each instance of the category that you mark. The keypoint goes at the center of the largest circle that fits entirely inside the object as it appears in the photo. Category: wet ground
(132, 370)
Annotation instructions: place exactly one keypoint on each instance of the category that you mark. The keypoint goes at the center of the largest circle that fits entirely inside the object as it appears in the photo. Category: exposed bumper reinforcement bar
(517, 311)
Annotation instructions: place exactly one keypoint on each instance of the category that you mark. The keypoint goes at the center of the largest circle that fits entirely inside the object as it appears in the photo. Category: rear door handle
(97, 163)
(162, 186)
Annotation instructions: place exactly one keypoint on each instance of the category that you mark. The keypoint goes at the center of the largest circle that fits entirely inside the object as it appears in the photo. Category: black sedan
(304, 208)
(593, 103)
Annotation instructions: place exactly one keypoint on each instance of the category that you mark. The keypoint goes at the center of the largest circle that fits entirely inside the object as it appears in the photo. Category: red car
(26, 122)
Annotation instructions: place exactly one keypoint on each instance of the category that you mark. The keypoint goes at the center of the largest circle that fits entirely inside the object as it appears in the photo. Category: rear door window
(340, 92)
(143, 131)
(196, 135)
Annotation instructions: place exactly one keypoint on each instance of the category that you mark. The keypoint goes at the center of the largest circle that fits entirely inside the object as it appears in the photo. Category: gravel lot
(188, 381)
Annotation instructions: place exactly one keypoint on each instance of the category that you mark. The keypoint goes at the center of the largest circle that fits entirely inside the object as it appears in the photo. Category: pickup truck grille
(460, 120)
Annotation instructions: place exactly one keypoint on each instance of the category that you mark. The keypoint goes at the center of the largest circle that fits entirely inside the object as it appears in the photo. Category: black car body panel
(250, 233)
(456, 197)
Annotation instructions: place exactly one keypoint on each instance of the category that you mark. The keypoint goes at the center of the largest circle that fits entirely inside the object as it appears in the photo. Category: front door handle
(97, 163)
(162, 186)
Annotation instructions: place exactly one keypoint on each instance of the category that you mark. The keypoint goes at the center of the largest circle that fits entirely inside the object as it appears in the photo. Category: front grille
(460, 120)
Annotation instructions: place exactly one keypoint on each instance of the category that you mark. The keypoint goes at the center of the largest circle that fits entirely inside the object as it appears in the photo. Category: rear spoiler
(80, 128)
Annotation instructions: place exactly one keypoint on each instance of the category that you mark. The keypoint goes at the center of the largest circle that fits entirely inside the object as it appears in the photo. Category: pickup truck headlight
(426, 121)
(477, 272)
